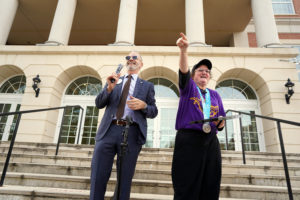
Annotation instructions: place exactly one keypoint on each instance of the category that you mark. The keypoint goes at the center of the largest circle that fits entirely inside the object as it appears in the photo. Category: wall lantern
(35, 87)
(289, 85)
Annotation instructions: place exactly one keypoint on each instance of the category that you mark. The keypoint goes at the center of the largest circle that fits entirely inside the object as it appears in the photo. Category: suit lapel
(138, 86)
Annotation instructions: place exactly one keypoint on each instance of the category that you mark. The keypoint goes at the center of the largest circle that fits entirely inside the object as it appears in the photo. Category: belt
(122, 122)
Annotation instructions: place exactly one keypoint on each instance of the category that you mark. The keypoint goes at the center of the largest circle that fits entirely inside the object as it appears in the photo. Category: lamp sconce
(35, 87)
(289, 85)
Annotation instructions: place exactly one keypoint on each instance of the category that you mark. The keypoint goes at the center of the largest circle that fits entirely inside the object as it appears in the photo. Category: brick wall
(253, 43)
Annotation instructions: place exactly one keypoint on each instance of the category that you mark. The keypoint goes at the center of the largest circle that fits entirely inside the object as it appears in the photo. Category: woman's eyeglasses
(133, 57)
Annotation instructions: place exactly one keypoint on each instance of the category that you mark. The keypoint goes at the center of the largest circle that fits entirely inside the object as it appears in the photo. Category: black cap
(205, 62)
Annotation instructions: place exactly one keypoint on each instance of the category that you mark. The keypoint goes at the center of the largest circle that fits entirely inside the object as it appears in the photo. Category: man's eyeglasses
(133, 57)
(203, 70)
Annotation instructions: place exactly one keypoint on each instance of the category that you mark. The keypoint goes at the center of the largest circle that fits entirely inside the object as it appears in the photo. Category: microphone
(117, 72)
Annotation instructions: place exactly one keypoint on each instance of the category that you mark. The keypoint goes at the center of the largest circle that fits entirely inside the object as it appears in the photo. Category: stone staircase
(35, 173)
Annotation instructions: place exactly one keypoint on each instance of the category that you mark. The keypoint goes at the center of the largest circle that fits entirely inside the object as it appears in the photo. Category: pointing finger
(183, 36)
(178, 41)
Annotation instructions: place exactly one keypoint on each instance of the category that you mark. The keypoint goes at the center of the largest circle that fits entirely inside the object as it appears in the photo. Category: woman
(196, 167)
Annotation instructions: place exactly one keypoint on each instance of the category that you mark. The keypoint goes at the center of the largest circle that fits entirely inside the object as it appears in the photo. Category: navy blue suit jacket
(143, 90)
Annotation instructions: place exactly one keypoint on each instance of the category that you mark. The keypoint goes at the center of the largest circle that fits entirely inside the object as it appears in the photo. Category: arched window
(235, 89)
(164, 88)
(81, 92)
(15, 85)
(88, 86)
(237, 95)
(161, 132)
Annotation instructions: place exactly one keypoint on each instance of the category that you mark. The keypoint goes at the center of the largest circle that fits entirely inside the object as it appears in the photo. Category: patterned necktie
(121, 106)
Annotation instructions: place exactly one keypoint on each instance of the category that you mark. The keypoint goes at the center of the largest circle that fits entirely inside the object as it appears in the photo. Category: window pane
(90, 125)
(15, 85)
(283, 7)
(89, 86)
(250, 132)
(71, 89)
(235, 89)
(70, 124)
(164, 88)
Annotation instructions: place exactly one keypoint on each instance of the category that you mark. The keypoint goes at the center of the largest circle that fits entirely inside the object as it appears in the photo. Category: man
(140, 104)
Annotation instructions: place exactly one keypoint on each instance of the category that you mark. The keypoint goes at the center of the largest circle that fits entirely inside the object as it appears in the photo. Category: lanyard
(206, 104)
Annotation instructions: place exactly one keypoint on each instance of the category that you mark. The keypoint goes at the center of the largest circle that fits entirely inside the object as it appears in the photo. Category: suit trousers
(196, 167)
(105, 150)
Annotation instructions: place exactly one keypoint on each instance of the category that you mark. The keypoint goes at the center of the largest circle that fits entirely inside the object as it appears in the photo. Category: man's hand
(182, 43)
(221, 125)
(110, 85)
(135, 103)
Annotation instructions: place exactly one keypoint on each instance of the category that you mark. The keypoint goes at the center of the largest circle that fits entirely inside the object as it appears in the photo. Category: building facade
(73, 45)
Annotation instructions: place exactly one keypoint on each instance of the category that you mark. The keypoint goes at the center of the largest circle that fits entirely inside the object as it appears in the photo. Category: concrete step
(138, 185)
(160, 156)
(88, 150)
(41, 193)
(34, 164)
(68, 147)
(253, 158)
(76, 161)
(244, 192)
(142, 162)
(81, 171)
(257, 192)
(144, 173)
(156, 159)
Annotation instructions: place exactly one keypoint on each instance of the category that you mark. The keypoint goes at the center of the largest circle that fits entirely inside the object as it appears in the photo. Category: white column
(194, 19)
(264, 22)
(239, 39)
(8, 9)
(126, 22)
(62, 22)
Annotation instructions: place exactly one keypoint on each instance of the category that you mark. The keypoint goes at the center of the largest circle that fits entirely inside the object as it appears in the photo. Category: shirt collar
(133, 76)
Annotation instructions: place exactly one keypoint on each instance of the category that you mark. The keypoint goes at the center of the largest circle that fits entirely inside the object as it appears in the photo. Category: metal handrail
(12, 142)
(278, 121)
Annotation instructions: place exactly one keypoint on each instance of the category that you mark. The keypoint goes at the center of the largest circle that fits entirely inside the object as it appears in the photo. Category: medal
(206, 104)
(206, 128)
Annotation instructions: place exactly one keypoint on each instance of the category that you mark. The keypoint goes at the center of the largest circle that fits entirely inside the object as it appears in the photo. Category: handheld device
(117, 72)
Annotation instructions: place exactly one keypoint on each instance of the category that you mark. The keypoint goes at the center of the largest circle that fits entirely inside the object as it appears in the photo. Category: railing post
(60, 131)
(286, 169)
(80, 124)
(12, 142)
(226, 138)
(242, 140)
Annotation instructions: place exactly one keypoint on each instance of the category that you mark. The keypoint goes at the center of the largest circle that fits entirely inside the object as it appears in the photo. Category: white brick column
(62, 22)
(194, 19)
(8, 9)
(264, 22)
(126, 22)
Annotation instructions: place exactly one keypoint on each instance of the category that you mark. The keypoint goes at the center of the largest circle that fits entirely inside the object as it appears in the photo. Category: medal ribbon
(205, 104)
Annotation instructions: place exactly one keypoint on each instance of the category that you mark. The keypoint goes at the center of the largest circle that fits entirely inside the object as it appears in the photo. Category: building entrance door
(10, 101)
(161, 130)
(8, 123)
(83, 92)
(238, 95)
(72, 132)
(252, 128)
